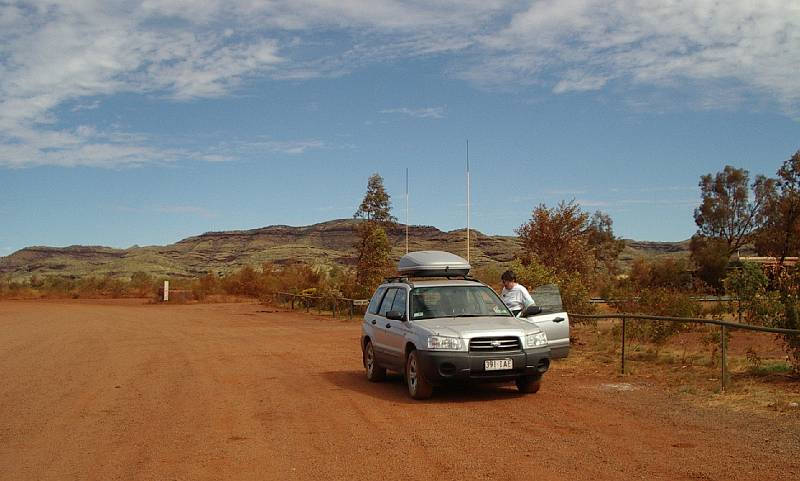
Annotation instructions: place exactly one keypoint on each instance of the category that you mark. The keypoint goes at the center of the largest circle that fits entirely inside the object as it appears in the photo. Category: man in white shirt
(514, 295)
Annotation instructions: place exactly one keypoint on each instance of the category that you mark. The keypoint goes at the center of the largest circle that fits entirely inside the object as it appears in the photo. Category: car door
(371, 318)
(395, 331)
(553, 319)
(379, 325)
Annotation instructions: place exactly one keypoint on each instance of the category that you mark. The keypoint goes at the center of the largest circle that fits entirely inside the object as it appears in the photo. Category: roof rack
(399, 280)
(410, 283)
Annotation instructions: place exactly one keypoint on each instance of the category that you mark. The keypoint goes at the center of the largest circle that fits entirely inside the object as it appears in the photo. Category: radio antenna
(406, 210)
(468, 200)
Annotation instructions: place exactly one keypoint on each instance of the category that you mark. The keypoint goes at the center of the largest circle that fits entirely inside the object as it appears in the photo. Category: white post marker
(166, 291)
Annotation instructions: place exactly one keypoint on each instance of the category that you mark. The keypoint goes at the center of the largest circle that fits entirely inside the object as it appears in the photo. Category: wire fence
(334, 306)
(600, 300)
(724, 326)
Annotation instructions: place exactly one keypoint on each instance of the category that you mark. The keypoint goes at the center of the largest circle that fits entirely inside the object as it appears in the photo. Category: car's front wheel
(529, 384)
(418, 386)
(375, 372)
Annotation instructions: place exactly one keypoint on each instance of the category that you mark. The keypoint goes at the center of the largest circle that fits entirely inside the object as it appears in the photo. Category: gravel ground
(126, 391)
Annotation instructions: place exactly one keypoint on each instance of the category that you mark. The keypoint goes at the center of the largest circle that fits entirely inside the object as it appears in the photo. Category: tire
(418, 386)
(375, 372)
(529, 384)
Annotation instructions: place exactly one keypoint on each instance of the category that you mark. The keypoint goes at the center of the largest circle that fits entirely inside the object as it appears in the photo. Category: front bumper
(440, 366)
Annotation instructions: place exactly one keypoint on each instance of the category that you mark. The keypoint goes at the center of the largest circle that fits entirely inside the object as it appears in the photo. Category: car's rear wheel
(418, 386)
(375, 372)
(529, 384)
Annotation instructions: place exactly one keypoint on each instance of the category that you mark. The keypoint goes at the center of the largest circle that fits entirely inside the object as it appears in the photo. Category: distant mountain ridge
(331, 242)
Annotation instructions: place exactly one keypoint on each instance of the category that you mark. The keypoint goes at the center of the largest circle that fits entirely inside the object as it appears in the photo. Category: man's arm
(527, 300)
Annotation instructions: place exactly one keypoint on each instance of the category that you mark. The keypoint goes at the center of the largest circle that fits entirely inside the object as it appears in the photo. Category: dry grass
(689, 367)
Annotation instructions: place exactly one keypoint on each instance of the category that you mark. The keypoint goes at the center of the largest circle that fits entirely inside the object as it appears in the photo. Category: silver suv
(434, 324)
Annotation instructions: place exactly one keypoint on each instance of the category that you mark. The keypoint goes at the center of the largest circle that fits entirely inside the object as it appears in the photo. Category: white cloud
(290, 147)
(577, 81)
(66, 51)
(84, 51)
(420, 113)
(73, 50)
(271, 146)
(578, 45)
(86, 106)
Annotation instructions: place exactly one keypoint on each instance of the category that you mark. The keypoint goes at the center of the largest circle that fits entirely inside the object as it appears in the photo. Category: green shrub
(660, 302)
(575, 292)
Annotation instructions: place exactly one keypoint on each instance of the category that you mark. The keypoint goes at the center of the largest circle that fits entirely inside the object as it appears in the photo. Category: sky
(144, 122)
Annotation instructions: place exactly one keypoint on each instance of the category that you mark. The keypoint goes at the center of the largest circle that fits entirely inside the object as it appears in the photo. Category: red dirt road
(124, 391)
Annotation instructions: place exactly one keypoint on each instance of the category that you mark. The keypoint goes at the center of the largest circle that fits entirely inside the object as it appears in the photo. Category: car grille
(494, 344)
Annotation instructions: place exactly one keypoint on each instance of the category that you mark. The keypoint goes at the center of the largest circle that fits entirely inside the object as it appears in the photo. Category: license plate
(498, 364)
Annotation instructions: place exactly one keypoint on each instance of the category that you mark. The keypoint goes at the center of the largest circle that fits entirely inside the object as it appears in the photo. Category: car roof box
(432, 264)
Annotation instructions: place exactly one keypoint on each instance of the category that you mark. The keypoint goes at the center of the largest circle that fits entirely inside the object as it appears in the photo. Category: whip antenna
(406, 210)
(468, 200)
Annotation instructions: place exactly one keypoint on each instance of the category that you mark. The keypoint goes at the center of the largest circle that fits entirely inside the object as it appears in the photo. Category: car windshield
(456, 301)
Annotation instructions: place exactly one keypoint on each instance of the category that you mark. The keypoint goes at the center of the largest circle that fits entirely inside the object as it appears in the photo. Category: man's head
(508, 278)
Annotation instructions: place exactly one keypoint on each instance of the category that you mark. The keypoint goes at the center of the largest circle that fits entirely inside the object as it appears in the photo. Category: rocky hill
(325, 243)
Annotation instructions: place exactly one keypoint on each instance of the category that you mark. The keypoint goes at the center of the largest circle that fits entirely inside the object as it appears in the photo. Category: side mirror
(531, 310)
(395, 316)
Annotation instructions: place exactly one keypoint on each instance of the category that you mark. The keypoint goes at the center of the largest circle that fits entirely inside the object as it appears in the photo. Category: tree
(556, 238)
(565, 240)
(711, 256)
(376, 206)
(746, 283)
(665, 273)
(788, 285)
(373, 260)
(374, 250)
(606, 247)
(726, 212)
(780, 234)
(564, 245)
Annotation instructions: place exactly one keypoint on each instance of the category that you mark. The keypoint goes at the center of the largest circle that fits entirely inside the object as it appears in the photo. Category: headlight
(538, 339)
(442, 343)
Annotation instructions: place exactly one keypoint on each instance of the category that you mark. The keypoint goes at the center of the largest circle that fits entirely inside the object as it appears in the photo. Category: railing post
(350, 318)
(624, 319)
(724, 362)
(334, 308)
(292, 302)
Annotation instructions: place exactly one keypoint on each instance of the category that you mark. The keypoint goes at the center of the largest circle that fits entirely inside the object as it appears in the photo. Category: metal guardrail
(600, 300)
(334, 304)
(724, 325)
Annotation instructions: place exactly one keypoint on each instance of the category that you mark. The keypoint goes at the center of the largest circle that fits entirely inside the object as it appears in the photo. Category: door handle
(373, 322)
(558, 319)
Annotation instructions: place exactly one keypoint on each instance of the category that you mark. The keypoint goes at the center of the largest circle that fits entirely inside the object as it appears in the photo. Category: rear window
(376, 300)
(399, 304)
(386, 305)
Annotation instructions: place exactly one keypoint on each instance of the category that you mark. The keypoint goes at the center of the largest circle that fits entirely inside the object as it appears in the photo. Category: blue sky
(143, 123)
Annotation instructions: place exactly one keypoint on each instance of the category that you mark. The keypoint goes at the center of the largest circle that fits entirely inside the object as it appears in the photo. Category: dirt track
(120, 390)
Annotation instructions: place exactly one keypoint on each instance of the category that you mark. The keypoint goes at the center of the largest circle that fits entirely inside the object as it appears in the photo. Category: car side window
(376, 300)
(399, 303)
(388, 299)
